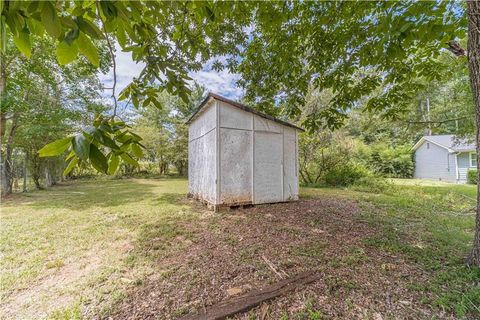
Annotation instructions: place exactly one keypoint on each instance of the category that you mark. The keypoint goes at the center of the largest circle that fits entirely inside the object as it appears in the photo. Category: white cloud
(223, 82)
(220, 82)
(127, 69)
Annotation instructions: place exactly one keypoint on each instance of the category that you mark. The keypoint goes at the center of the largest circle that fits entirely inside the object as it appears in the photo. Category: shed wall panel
(232, 117)
(262, 124)
(202, 156)
(268, 167)
(203, 124)
(290, 183)
(236, 166)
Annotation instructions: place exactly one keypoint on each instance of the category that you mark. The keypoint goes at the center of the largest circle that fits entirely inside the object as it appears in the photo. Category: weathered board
(202, 156)
(290, 165)
(253, 298)
(268, 167)
(236, 166)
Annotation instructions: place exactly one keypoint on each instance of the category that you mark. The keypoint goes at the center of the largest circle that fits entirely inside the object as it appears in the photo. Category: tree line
(382, 146)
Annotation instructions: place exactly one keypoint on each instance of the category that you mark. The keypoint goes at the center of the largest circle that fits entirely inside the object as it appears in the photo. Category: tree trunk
(35, 169)
(7, 165)
(3, 123)
(3, 87)
(25, 171)
(48, 176)
(473, 51)
(429, 130)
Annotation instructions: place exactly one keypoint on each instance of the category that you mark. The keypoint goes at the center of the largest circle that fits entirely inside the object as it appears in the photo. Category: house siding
(435, 162)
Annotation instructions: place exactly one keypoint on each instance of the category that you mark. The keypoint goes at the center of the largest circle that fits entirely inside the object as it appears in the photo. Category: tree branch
(112, 54)
(456, 49)
(436, 122)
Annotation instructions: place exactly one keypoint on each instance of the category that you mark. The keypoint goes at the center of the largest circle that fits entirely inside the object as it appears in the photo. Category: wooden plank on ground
(253, 298)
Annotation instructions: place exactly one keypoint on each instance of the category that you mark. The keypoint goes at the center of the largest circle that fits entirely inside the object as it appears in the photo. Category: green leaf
(23, 43)
(94, 133)
(88, 49)
(55, 148)
(110, 143)
(108, 9)
(50, 20)
(70, 155)
(32, 7)
(126, 157)
(135, 136)
(71, 36)
(137, 151)
(122, 39)
(97, 159)
(81, 146)
(405, 26)
(35, 27)
(113, 165)
(3, 30)
(124, 138)
(70, 166)
(66, 53)
(89, 27)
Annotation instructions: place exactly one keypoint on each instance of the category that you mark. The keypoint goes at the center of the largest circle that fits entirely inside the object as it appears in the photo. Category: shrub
(321, 152)
(346, 175)
(373, 184)
(472, 176)
(387, 161)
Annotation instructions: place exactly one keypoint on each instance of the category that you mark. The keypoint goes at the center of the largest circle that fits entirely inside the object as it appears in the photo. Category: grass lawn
(138, 248)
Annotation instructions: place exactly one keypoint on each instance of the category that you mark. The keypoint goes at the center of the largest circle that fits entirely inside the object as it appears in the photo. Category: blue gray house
(444, 157)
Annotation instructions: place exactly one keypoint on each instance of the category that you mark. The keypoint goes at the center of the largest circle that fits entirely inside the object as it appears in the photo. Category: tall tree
(164, 132)
(355, 48)
(473, 48)
(40, 100)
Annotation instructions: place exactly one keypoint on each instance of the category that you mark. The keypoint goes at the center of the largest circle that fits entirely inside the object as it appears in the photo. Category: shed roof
(449, 142)
(211, 96)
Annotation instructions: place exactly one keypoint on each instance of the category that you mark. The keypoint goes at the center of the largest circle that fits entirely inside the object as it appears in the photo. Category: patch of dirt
(249, 248)
(47, 295)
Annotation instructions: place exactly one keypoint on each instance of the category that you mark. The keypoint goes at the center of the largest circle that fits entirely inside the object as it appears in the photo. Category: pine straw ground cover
(138, 249)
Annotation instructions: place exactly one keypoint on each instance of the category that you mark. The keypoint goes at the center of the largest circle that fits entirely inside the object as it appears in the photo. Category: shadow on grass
(79, 196)
(171, 198)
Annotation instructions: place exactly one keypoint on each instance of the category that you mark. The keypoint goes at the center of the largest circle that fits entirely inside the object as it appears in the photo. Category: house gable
(425, 139)
(434, 162)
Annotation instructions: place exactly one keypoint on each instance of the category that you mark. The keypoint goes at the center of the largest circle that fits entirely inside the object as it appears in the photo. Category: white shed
(239, 156)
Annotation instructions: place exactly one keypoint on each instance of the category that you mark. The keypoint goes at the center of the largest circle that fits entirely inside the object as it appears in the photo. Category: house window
(428, 145)
(473, 159)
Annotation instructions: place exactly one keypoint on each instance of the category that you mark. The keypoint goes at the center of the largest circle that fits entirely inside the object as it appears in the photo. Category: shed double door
(268, 167)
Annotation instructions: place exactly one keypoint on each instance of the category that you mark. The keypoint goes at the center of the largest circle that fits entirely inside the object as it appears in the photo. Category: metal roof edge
(240, 106)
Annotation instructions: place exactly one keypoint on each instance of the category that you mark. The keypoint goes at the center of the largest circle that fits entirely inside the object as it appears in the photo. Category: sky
(220, 82)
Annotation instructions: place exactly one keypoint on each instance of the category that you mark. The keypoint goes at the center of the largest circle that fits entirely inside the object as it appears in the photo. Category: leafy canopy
(356, 49)
(169, 38)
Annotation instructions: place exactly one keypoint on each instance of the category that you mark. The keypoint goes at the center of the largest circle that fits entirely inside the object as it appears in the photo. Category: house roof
(449, 142)
(211, 96)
